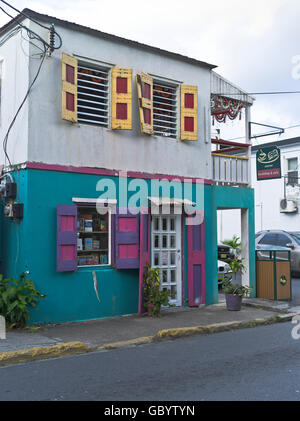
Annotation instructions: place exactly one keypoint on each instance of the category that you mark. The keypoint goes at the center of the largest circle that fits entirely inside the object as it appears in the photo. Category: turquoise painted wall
(230, 197)
(31, 245)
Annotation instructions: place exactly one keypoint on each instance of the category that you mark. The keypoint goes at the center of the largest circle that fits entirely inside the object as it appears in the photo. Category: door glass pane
(164, 241)
(173, 276)
(164, 258)
(156, 224)
(156, 259)
(156, 241)
(164, 224)
(173, 258)
(172, 241)
(164, 276)
(172, 224)
(173, 291)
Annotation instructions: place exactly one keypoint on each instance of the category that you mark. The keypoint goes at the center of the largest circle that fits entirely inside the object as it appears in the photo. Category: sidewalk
(61, 339)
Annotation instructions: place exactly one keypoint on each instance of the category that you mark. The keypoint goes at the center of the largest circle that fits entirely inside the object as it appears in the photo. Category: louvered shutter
(196, 264)
(121, 99)
(69, 88)
(145, 98)
(127, 236)
(189, 118)
(66, 249)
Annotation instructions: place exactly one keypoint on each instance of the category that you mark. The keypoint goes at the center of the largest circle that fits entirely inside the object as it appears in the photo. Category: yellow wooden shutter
(189, 116)
(69, 88)
(121, 99)
(145, 98)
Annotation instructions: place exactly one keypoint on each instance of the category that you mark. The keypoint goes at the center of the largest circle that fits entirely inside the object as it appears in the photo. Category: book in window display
(92, 245)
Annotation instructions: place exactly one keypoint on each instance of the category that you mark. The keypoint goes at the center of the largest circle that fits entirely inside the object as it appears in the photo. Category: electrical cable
(31, 34)
(33, 20)
(46, 46)
(20, 107)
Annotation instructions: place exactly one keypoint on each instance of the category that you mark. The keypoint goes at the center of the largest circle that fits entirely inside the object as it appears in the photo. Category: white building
(277, 201)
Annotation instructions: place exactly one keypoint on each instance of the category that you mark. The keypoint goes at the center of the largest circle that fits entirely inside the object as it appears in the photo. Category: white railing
(230, 169)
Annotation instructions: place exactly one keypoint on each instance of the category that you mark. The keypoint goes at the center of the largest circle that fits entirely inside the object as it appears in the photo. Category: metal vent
(93, 94)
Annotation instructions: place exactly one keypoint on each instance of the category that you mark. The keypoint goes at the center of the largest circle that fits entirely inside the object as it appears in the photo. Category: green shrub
(16, 298)
(154, 297)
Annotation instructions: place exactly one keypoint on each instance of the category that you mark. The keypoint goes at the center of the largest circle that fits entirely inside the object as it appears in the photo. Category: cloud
(252, 42)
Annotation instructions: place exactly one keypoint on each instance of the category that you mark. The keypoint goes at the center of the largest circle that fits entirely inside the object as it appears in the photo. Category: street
(261, 363)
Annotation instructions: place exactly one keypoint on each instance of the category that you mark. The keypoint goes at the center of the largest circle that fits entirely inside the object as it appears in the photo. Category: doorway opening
(233, 242)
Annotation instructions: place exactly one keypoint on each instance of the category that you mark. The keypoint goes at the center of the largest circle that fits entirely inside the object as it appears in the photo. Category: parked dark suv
(288, 239)
(225, 253)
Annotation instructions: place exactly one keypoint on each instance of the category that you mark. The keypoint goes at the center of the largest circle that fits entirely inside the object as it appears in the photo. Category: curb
(43, 352)
(138, 341)
(70, 348)
(222, 327)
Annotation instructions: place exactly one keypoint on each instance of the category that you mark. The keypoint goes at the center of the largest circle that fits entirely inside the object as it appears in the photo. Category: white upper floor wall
(14, 77)
(40, 134)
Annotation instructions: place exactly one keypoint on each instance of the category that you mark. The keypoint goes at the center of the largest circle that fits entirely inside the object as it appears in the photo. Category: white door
(166, 253)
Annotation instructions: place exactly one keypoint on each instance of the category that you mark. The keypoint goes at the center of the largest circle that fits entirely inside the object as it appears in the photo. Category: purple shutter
(144, 255)
(127, 240)
(196, 264)
(66, 254)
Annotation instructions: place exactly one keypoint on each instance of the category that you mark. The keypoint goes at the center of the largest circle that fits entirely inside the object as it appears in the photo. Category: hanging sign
(268, 163)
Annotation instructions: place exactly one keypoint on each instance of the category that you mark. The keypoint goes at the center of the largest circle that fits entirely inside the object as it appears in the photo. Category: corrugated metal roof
(104, 35)
(283, 142)
(221, 86)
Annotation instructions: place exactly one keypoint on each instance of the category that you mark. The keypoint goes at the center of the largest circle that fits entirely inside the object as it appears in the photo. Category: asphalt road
(261, 363)
(295, 292)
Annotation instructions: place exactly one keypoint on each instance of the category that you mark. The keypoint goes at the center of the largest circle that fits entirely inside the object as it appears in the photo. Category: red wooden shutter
(145, 97)
(69, 88)
(189, 113)
(196, 264)
(121, 99)
(127, 240)
(66, 254)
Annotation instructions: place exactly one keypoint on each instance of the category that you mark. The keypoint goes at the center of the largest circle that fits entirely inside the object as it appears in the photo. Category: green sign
(268, 163)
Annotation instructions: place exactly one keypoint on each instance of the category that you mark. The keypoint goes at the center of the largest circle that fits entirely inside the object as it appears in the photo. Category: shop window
(93, 232)
(92, 94)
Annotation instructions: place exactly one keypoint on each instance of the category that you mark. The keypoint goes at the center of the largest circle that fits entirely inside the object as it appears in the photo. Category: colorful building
(114, 166)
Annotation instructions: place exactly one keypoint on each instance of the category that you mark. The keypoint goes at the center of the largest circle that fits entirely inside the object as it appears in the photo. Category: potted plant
(234, 294)
(237, 269)
(235, 244)
(154, 297)
(232, 287)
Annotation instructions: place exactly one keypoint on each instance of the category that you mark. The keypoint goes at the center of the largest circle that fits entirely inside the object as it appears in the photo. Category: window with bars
(164, 109)
(292, 171)
(93, 94)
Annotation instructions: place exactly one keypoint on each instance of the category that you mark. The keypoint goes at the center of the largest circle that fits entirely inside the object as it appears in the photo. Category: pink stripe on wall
(101, 171)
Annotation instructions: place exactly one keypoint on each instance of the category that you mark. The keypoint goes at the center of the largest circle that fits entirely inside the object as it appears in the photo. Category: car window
(283, 240)
(269, 239)
(296, 238)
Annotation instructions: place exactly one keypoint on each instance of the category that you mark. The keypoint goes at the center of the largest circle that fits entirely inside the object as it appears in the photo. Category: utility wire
(46, 46)
(20, 107)
(33, 20)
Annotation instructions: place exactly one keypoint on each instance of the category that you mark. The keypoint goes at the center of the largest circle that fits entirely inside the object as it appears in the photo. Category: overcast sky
(253, 43)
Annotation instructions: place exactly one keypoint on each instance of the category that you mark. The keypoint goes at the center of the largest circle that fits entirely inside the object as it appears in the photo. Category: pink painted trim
(101, 171)
(182, 261)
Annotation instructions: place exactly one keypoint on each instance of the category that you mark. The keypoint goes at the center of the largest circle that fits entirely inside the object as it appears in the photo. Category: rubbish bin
(273, 273)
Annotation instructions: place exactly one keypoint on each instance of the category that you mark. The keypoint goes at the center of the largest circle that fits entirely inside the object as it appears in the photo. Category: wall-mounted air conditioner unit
(288, 206)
